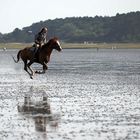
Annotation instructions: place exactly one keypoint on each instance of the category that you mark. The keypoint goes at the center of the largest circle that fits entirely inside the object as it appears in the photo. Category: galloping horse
(43, 56)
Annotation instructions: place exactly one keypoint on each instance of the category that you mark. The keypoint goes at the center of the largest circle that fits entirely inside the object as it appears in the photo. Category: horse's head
(55, 44)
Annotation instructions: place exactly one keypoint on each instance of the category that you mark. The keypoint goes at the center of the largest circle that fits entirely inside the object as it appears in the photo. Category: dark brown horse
(43, 56)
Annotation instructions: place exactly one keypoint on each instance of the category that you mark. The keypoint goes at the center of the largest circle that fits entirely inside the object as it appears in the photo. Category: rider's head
(44, 30)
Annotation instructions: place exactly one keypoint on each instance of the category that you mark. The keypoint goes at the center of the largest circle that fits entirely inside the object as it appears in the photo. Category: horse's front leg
(45, 67)
(32, 72)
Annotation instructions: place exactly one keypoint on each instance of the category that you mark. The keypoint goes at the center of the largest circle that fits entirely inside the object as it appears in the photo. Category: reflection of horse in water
(40, 111)
(43, 55)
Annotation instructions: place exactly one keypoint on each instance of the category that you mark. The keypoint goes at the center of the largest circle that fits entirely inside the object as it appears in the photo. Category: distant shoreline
(77, 45)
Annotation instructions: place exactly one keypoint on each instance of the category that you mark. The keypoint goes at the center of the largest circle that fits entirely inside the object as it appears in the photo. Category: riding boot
(35, 51)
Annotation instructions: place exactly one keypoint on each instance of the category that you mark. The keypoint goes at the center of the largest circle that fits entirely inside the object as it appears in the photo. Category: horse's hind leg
(32, 72)
(26, 67)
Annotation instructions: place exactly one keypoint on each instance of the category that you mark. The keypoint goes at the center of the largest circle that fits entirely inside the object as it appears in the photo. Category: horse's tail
(18, 57)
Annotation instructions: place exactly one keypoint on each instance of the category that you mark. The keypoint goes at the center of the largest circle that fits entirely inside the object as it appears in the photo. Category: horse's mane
(46, 44)
(49, 42)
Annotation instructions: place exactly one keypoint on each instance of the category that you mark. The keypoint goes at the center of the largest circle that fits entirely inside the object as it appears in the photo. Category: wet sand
(91, 95)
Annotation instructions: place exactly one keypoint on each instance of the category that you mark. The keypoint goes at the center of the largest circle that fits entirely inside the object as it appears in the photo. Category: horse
(43, 56)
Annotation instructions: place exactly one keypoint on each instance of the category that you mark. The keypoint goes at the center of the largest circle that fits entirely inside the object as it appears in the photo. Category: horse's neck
(48, 50)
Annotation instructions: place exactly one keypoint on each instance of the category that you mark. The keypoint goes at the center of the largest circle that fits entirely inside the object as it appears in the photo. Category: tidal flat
(91, 94)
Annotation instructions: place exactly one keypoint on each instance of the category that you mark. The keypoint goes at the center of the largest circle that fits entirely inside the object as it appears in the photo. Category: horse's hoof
(37, 72)
(31, 77)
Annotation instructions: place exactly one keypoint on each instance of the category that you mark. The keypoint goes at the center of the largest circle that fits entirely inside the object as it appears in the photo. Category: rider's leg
(35, 50)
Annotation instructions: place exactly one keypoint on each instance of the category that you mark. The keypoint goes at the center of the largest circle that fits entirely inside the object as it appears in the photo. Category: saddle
(35, 49)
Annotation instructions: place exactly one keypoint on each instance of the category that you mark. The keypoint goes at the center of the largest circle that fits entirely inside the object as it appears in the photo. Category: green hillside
(120, 28)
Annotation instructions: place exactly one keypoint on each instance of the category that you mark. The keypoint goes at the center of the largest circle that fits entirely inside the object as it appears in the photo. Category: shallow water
(92, 95)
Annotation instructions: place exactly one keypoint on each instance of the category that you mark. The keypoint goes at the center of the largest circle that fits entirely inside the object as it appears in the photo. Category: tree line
(119, 28)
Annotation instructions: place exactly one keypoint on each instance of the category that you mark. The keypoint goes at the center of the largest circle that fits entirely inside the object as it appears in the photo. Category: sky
(23, 13)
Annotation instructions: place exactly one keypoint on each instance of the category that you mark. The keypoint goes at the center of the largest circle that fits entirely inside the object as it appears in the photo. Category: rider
(40, 39)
